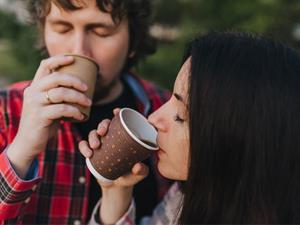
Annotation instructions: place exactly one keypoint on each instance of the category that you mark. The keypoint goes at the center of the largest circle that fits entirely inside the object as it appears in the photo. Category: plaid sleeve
(3, 138)
(14, 192)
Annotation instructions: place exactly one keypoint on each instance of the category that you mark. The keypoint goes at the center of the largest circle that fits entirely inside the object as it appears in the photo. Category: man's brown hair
(138, 13)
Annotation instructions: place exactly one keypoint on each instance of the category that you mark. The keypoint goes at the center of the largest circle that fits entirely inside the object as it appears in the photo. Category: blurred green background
(175, 22)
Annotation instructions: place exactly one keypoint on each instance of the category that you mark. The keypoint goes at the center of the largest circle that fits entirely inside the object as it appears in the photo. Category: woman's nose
(156, 119)
(151, 119)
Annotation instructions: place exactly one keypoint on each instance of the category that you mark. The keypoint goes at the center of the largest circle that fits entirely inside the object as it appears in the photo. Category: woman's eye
(178, 119)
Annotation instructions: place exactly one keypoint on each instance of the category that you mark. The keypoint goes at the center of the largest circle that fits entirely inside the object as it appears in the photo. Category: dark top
(145, 192)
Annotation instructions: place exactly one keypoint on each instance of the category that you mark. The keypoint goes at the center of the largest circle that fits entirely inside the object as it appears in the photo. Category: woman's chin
(170, 173)
(164, 171)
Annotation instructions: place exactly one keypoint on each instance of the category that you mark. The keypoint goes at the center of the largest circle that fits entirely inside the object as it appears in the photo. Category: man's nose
(81, 46)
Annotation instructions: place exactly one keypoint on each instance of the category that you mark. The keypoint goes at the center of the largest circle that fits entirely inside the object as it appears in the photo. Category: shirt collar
(138, 91)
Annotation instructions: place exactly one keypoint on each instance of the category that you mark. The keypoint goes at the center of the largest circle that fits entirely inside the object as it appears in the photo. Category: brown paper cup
(130, 139)
(86, 69)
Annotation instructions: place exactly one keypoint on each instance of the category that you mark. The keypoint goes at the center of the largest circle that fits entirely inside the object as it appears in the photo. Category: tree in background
(278, 19)
(18, 57)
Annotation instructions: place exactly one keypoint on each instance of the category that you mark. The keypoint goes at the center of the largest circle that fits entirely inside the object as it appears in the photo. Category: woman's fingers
(85, 149)
(140, 169)
(94, 141)
(103, 127)
(116, 111)
(138, 173)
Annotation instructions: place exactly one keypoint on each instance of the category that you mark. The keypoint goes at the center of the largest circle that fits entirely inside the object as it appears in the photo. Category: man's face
(90, 32)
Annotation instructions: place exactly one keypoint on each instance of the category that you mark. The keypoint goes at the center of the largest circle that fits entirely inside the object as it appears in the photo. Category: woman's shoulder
(172, 203)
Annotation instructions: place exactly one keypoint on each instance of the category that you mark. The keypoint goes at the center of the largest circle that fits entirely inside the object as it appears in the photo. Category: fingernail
(101, 129)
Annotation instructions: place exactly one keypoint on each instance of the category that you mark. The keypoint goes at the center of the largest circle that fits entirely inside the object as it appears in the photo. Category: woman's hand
(116, 195)
(139, 170)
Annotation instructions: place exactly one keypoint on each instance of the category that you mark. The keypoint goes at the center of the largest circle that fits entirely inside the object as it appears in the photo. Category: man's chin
(102, 91)
(100, 94)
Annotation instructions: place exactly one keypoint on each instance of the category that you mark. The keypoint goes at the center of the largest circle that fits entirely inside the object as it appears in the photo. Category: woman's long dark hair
(244, 110)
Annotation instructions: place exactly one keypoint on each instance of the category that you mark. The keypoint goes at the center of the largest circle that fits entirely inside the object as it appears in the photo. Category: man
(44, 179)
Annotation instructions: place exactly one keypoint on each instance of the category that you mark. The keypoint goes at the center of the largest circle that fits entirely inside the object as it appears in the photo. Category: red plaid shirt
(59, 193)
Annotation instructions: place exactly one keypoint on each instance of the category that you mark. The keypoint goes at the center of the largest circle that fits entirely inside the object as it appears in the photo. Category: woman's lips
(160, 152)
(160, 149)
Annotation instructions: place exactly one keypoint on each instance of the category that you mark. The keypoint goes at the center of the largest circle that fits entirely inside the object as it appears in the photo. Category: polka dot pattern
(118, 152)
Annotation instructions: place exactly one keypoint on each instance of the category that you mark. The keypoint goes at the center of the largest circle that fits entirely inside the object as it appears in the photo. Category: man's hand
(45, 101)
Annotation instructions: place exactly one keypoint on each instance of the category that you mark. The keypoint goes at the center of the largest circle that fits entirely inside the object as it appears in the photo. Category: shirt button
(27, 200)
(81, 180)
(77, 222)
(34, 187)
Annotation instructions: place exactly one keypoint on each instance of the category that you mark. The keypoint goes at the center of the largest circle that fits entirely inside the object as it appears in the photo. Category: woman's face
(171, 121)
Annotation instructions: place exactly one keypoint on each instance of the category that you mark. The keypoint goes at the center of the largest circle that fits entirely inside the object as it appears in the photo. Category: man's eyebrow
(90, 25)
(57, 22)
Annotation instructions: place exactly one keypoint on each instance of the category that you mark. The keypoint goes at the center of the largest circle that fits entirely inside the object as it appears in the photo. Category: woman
(229, 135)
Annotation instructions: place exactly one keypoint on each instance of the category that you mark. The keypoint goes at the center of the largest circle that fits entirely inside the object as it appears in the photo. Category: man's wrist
(22, 149)
(16, 154)
(20, 161)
